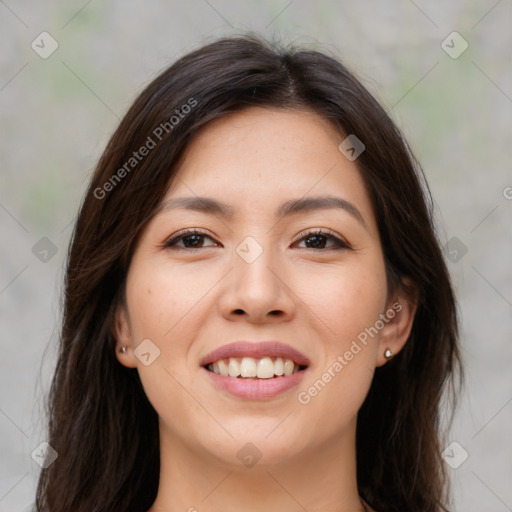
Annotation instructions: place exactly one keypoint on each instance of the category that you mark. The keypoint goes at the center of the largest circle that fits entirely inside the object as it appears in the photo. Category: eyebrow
(291, 207)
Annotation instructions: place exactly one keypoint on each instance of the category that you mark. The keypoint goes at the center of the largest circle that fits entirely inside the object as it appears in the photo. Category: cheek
(161, 301)
(160, 296)
(348, 300)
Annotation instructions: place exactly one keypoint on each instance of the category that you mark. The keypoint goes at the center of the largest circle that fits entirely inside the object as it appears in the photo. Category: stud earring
(123, 350)
(388, 354)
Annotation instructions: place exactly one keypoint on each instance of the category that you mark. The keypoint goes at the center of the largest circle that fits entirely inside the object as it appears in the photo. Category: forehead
(257, 157)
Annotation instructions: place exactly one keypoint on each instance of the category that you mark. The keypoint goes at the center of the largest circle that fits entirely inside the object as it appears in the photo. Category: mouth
(255, 368)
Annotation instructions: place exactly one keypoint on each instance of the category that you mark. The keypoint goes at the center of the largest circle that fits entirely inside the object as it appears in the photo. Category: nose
(257, 291)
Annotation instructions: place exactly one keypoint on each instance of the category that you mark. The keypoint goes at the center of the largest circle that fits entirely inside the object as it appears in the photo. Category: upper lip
(256, 350)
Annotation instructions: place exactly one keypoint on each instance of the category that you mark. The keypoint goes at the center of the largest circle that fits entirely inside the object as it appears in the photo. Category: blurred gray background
(453, 103)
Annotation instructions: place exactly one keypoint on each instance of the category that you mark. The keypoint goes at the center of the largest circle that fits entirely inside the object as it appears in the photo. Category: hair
(100, 421)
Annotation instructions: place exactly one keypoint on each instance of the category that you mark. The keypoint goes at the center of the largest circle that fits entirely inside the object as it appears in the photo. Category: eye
(314, 239)
(317, 239)
(192, 239)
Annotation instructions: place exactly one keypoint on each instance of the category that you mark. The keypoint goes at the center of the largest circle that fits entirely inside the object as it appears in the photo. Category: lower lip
(255, 389)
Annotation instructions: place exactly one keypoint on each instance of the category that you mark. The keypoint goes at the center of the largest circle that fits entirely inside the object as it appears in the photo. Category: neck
(323, 478)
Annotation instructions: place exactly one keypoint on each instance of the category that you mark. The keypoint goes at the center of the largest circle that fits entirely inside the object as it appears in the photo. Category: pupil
(319, 239)
(196, 238)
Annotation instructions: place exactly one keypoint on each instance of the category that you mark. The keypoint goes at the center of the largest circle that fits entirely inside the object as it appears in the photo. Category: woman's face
(256, 270)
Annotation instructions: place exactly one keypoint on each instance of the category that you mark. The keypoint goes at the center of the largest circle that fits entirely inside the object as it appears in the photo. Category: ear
(398, 319)
(123, 337)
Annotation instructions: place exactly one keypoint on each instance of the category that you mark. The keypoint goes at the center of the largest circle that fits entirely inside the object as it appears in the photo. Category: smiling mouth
(255, 368)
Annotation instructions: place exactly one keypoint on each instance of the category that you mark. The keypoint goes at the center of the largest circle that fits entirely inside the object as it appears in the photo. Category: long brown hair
(100, 420)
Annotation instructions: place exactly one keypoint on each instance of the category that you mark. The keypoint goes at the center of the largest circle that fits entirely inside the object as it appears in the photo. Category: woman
(257, 312)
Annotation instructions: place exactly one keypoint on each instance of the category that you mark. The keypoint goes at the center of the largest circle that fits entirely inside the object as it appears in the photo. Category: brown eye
(318, 240)
(190, 240)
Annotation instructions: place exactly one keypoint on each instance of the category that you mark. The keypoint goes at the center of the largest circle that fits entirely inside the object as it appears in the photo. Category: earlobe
(400, 314)
(122, 335)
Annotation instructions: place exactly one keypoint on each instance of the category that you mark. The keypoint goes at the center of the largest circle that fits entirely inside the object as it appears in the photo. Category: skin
(187, 299)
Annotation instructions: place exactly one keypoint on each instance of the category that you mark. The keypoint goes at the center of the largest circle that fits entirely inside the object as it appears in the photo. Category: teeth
(223, 367)
(265, 368)
(279, 366)
(248, 367)
(233, 368)
(288, 367)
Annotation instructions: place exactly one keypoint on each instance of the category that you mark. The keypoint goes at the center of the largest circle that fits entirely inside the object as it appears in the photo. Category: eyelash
(339, 243)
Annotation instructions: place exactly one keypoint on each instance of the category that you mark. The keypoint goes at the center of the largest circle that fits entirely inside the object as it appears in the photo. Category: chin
(264, 446)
